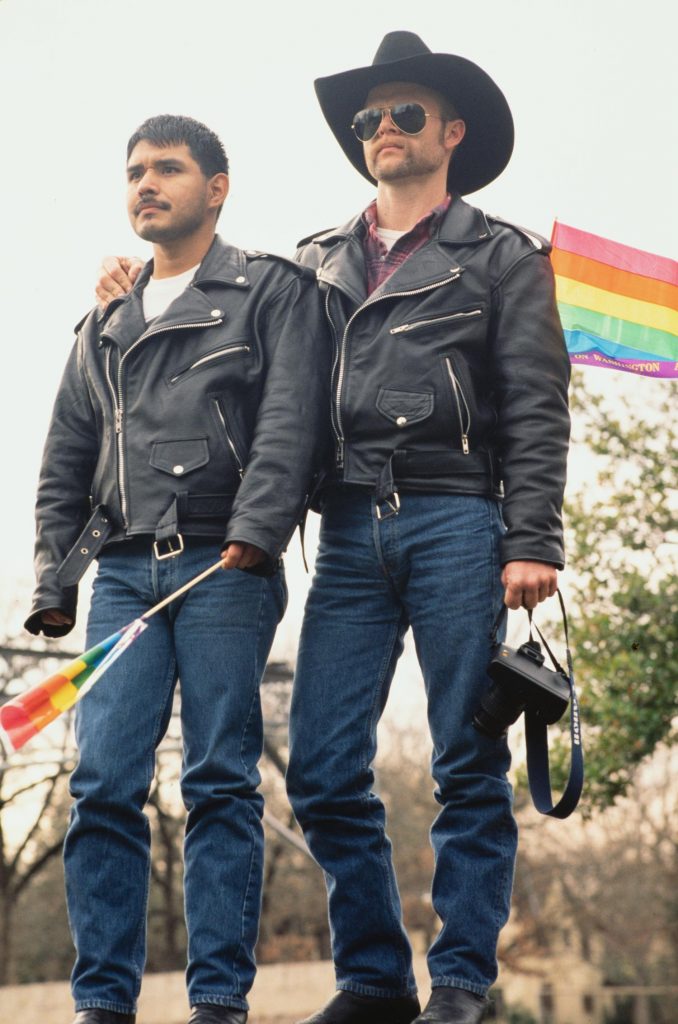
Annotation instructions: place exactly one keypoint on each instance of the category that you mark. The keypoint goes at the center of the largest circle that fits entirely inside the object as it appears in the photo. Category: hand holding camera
(522, 682)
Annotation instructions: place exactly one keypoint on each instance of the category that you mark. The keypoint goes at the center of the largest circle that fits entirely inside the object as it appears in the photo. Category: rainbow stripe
(25, 716)
(618, 305)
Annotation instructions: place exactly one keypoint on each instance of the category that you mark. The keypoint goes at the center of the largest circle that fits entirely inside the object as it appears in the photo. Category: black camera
(521, 682)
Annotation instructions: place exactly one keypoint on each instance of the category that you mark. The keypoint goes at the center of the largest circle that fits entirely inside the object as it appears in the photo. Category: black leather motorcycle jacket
(208, 421)
(452, 376)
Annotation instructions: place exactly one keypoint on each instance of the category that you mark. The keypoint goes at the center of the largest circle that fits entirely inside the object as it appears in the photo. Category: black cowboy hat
(403, 57)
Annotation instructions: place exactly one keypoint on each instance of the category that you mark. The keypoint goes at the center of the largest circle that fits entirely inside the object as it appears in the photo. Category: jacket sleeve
(531, 375)
(292, 427)
(68, 462)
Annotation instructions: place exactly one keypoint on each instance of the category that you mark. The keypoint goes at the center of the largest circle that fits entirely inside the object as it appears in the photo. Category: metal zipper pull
(118, 421)
(339, 458)
(464, 444)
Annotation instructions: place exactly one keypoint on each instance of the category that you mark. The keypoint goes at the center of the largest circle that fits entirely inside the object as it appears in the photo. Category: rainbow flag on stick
(26, 715)
(618, 305)
(23, 717)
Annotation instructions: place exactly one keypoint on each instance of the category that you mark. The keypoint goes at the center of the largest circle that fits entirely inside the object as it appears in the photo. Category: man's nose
(147, 182)
(386, 124)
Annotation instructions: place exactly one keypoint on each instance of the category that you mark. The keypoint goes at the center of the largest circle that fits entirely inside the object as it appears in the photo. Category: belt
(168, 540)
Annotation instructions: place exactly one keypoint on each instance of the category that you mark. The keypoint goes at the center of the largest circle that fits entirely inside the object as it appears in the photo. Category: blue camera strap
(538, 773)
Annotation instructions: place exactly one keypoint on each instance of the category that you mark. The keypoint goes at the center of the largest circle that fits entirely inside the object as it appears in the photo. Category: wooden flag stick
(182, 590)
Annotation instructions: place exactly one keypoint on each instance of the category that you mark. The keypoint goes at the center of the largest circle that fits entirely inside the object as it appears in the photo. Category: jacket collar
(123, 320)
(342, 262)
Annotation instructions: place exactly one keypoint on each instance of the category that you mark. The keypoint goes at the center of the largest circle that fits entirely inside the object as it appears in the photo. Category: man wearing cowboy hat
(451, 430)
(449, 407)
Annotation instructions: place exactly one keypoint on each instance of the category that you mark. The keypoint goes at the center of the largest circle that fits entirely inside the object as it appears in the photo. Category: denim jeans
(434, 567)
(216, 639)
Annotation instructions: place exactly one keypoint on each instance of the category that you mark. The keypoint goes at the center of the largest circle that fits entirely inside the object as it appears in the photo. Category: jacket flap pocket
(403, 407)
(179, 457)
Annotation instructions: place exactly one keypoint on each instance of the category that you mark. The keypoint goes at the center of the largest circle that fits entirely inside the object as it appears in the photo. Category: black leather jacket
(208, 421)
(452, 376)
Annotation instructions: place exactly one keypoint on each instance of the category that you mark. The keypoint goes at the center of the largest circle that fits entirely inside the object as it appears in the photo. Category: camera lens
(498, 709)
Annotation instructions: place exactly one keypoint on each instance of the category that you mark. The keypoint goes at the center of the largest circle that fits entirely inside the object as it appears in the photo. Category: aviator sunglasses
(409, 118)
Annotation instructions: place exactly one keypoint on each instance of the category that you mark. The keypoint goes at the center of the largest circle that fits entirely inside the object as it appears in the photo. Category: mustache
(143, 203)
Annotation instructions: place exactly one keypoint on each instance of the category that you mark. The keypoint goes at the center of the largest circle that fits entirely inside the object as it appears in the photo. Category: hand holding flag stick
(23, 717)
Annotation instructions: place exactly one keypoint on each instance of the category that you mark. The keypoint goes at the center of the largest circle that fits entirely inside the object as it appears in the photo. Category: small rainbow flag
(22, 717)
(618, 305)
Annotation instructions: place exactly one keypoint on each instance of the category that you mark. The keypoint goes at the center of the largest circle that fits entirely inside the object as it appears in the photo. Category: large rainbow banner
(618, 305)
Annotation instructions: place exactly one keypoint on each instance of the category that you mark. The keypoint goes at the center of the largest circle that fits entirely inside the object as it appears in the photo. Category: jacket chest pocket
(404, 407)
(179, 457)
(208, 360)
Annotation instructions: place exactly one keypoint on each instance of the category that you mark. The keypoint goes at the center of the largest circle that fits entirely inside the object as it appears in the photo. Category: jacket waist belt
(183, 508)
(403, 465)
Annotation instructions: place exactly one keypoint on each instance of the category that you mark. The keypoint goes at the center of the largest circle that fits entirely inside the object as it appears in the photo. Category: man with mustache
(450, 421)
(188, 425)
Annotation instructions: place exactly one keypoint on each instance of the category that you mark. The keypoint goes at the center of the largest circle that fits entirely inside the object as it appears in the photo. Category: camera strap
(538, 773)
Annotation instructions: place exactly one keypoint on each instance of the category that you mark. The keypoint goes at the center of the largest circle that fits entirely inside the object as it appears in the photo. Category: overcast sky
(592, 86)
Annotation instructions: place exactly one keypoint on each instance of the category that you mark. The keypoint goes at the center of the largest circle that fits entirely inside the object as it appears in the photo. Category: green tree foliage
(623, 539)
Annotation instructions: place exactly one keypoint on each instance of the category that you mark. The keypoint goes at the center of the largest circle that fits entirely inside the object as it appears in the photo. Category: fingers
(116, 278)
(53, 617)
(241, 556)
(528, 583)
(134, 267)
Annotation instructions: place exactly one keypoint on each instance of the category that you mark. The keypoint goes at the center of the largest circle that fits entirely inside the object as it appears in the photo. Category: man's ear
(454, 133)
(218, 189)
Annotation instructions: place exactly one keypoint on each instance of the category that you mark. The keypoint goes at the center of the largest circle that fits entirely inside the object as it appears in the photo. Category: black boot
(208, 1013)
(97, 1016)
(453, 1006)
(348, 1008)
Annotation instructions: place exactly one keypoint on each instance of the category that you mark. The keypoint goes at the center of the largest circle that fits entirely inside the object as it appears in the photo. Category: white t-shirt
(389, 237)
(159, 294)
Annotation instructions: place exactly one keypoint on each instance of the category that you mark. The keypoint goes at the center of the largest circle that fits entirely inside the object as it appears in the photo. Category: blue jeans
(216, 639)
(434, 567)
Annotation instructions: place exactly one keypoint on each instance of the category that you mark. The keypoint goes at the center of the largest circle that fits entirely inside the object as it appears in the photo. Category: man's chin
(154, 233)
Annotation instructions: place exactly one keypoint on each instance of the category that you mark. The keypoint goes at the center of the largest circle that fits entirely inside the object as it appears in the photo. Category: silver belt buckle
(393, 507)
(174, 547)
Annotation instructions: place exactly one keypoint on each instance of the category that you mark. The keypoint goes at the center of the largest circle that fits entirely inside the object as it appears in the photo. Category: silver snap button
(401, 421)
(84, 551)
(240, 280)
(96, 533)
(178, 470)
(215, 313)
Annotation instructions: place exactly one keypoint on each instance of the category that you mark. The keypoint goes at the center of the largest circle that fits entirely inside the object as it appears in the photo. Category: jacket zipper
(229, 439)
(456, 272)
(208, 358)
(118, 404)
(339, 455)
(460, 400)
(435, 320)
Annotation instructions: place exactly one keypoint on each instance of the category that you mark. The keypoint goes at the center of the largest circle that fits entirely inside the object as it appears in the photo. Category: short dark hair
(175, 130)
